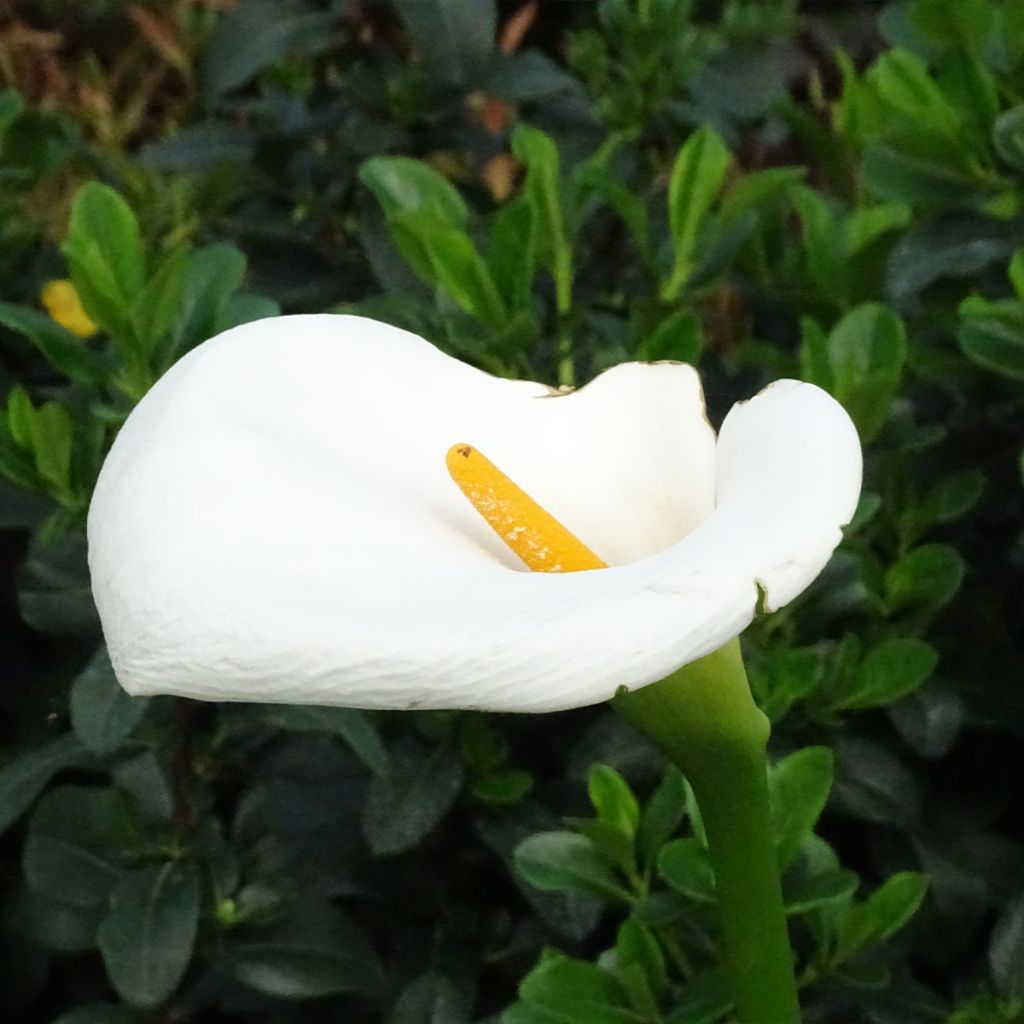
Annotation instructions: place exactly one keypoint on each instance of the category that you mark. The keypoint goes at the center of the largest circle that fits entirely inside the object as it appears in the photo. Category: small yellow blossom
(63, 304)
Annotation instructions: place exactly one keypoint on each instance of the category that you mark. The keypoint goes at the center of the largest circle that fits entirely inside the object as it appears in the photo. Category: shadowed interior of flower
(537, 537)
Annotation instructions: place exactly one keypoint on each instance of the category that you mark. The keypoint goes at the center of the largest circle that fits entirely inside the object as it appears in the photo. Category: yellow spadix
(536, 536)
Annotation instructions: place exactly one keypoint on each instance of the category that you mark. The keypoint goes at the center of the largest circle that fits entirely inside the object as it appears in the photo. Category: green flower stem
(706, 721)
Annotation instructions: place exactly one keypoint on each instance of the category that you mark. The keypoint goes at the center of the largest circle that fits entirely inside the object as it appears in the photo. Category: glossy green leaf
(105, 256)
(24, 778)
(903, 81)
(1006, 951)
(18, 466)
(58, 927)
(952, 497)
(569, 913)
(866, 353)
(614, 801)
(994, 340)
(930, 720)
(543, 191)
(891, 670)
(355, 727)
(814, 359)
(635, 944)
(253, 36)
(145, 778)
(629, 208)
(611, 843)
(867, 509)
(756, 188)
(102, 714)
(824, 241)
(686, 866)
(157, 308)
(503, 788)
(54, 593)
(244, 308)
(859, 113)
(966, 23)
(12, 106)
(53, 439)
(928, 575)
(401, 184)
(456, 36)
(453, 263)
(632, 978)
(404, 805)
(884, 913)
(864, 226)
(697, 176)
(431, 999)
(872, 784)
(147, 938)
(705, 999)
(892, 174)
(482, 745)
(211, 277)
(512, 253)
(576, 992)
(205, 146)
(21, 417)
(566, 862)
(679, 337)
(1008, 136)
(46, 432)
(785, 676)
(661, 816)
(317, 951)
(799, 786)
(950, 247)
(866, 975)
(809, 893)
(973, 89)
(72, 851)
(722, 249)
(1016, 273)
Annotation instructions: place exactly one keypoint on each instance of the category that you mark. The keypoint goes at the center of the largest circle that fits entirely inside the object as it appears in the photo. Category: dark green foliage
(765, 189)
(147, 937)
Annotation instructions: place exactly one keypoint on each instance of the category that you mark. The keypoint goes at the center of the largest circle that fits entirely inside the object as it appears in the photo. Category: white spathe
(275, 522)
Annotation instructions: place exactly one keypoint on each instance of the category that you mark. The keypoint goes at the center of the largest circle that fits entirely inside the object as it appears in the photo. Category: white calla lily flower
(276, 522)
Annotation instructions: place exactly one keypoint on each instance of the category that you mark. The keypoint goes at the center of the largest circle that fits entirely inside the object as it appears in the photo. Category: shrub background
(827, 190)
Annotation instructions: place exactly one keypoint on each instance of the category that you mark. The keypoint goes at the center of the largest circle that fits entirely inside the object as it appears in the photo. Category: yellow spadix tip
(536, 536)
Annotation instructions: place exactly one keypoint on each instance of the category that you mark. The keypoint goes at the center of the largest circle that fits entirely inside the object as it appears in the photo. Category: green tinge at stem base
(705, 719)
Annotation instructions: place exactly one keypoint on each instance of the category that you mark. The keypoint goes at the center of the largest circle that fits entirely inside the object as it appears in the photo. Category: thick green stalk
(705, 720)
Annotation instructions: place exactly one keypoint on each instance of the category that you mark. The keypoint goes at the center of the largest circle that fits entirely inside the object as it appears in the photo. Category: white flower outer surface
(275, 522)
